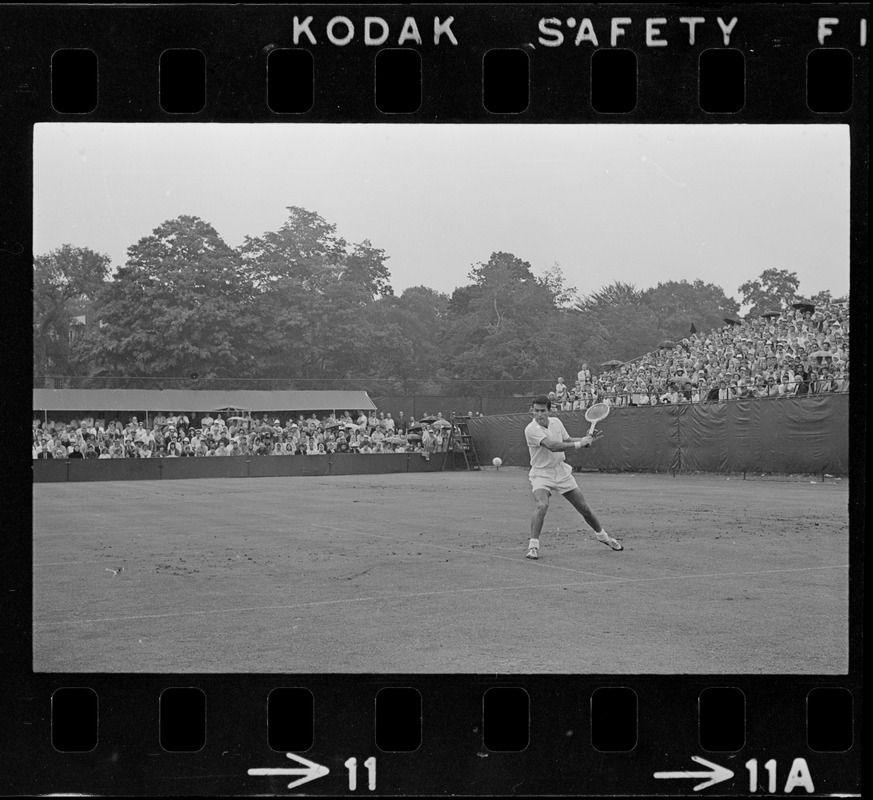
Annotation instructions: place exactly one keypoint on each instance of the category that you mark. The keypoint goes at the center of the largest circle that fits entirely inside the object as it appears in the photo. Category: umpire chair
(461, 441)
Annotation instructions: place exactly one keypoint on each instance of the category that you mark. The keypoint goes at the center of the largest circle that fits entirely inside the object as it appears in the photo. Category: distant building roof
(196, 400)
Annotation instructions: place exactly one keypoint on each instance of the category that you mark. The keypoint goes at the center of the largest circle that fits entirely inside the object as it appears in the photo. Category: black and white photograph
(437, 399)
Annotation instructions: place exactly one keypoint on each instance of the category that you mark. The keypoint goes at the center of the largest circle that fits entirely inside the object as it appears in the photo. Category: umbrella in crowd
(769, 314)
(413, 437)
(803, 307)
(428, 419)
(415, 427)
(667, 344)
(331, 425)
(242, 419)
(731, 321)
(442, 423)
(612, 363)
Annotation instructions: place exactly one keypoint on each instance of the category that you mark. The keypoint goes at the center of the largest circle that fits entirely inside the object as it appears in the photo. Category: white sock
(533, 543)
(602, 535)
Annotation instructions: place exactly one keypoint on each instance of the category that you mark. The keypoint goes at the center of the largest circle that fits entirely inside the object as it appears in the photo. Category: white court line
(402, 596)
(465, 551)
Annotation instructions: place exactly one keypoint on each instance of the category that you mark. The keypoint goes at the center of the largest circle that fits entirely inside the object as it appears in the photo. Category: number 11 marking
(352, 766)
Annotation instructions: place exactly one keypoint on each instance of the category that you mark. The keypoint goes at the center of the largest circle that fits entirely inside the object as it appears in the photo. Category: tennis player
(547, 439)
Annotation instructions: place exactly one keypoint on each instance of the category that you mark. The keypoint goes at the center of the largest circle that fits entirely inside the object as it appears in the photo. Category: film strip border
(204, 734)
(474, 735)
(438, 63)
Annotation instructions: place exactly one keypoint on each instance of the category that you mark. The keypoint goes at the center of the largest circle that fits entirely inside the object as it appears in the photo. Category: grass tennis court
(426, 573)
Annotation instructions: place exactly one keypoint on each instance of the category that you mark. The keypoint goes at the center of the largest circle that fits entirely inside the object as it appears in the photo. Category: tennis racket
(596, 413)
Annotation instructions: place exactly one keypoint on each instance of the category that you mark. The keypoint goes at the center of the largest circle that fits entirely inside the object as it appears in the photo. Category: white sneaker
(533, 553)
(609, 541)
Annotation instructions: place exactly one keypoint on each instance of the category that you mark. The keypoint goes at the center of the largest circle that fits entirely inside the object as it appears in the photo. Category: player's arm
(568, 444)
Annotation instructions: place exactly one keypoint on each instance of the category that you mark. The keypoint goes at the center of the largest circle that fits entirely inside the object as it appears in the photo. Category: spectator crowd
(801, 351)
(178, 435)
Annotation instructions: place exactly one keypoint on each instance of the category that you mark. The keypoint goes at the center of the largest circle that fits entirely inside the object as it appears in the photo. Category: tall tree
(180, 305)
(615, 293)
(553, 279)
(632, 330)
(629, 326)
(773, 289)
(365, 266)
(501, 326)
(312, 291)
(410, 327)
(306, 250)
(62, 279)
(678, 304)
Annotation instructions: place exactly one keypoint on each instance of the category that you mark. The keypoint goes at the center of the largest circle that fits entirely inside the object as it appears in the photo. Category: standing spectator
(712, 394)
(427, 442)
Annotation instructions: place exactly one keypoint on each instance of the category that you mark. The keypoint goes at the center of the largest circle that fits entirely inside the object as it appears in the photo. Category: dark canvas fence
(126, 469)
(785, 435)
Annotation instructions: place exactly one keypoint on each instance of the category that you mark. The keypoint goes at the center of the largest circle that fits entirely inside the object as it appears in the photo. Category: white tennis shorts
(557, 480)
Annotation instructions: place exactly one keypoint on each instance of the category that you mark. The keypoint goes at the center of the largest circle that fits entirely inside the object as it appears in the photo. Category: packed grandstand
(795, 353)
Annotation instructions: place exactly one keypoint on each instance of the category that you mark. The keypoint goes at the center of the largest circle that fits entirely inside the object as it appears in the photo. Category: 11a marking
(797, 776)
(352, 766)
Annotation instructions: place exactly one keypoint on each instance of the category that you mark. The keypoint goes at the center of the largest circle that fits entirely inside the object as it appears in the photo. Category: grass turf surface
(412, 573)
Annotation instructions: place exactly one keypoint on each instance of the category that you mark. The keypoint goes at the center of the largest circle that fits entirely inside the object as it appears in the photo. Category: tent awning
(196, 401)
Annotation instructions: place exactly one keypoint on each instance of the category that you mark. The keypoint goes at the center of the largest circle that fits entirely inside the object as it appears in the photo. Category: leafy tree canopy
(679, 304)
(61, 280)
(178, 306)
(773, 289)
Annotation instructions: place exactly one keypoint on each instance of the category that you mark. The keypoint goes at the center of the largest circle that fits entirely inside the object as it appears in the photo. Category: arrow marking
(716, 774)
(310, 770)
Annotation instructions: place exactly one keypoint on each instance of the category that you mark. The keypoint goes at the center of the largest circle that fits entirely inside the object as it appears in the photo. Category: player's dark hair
(541, 400)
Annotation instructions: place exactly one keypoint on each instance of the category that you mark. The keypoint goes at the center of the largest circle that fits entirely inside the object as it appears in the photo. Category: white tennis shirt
(541, 458)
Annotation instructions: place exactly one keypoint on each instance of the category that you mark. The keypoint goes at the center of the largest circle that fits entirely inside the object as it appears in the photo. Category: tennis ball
(497, 462)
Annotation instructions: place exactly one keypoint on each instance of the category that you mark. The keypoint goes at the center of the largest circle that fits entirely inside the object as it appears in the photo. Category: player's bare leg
(577, 500)
(536, 522)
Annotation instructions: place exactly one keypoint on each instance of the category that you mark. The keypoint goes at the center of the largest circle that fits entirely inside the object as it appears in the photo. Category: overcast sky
(635, 203)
